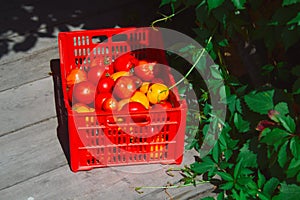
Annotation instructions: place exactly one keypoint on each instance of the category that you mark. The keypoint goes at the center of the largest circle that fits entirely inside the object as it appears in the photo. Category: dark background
(33, 19)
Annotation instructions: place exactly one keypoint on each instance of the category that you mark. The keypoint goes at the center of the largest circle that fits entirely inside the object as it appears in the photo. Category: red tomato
(84, 92)
(105, 85)
(162, 105)
(145, 70)
(157, 80)
(133, 107)
(110, 104)
(96, 73)
(100, 98)
(125, 86)
(125, 62)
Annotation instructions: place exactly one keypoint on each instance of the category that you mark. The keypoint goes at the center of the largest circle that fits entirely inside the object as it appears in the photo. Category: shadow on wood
(62, 128)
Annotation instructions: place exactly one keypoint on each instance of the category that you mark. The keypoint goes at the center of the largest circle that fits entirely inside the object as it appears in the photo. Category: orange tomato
(157, 92)
(76, 76)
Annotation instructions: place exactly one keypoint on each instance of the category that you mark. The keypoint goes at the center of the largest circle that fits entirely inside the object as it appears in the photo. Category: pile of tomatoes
(126, 84)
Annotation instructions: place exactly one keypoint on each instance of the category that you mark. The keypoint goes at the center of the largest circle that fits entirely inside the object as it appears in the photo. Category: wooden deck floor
(32, 162)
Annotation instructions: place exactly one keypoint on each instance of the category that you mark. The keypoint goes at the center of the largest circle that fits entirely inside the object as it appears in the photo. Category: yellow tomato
(157, 92)
(140, 98)
(144, 87)
(117, 75)
(82, 108)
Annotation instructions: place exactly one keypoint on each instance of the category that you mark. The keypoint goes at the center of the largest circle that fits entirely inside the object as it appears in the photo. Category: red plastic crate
(96, 140)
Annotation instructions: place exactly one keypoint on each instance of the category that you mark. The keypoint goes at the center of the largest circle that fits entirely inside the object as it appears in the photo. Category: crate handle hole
(99, 39)
(119, 38)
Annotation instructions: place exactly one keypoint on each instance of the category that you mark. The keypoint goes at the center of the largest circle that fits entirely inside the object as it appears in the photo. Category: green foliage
(257, 151)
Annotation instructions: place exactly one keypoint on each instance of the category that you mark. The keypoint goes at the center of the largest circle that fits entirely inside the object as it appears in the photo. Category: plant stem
(172, 186)
(165, 18)
(194, 65)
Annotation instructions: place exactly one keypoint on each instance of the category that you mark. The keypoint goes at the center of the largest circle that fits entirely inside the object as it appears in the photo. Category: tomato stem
(194, 65)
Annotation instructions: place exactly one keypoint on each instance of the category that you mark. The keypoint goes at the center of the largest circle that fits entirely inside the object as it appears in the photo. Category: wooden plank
(101, 183)
(31, 67)
(30, 152)
(26, 105)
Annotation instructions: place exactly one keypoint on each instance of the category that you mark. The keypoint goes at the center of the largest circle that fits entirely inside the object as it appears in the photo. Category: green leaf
(298, 177)
(288, 192)
(239, 4)
(201, 167)
(275, 137)
(288, 123)
(289, 2)
(295, 147)
(249, 158)
(225, 176)
(214, 4)
(165, 2)
(226, 186)
(282, 108)
(268, 68)
(262, 196)
(237, 169)
(261, 179)
(223, 43)
(270, 186)
(296, 87)
(241, 125)
(215, 153)
(293, 168)
(260, 102)
(295, 20)
(220, 196)
(282, 155)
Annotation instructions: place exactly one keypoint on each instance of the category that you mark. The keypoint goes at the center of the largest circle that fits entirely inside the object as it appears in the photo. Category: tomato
(145, 70)
(105, 85)
(81, 108)
(84, 92)
(100, 98)
(157, 92)
(96, 73)
(99, 61)
(157, 80)
(119, 74)
(76, 76)
(144, 87)
(125, 62)
(133, 107)
(122, 102)
(141, 98)
(110, 104)
(125, 86)
(162, 105)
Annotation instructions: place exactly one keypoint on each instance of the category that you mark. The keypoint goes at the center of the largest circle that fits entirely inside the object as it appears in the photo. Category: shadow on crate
(62, 128)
